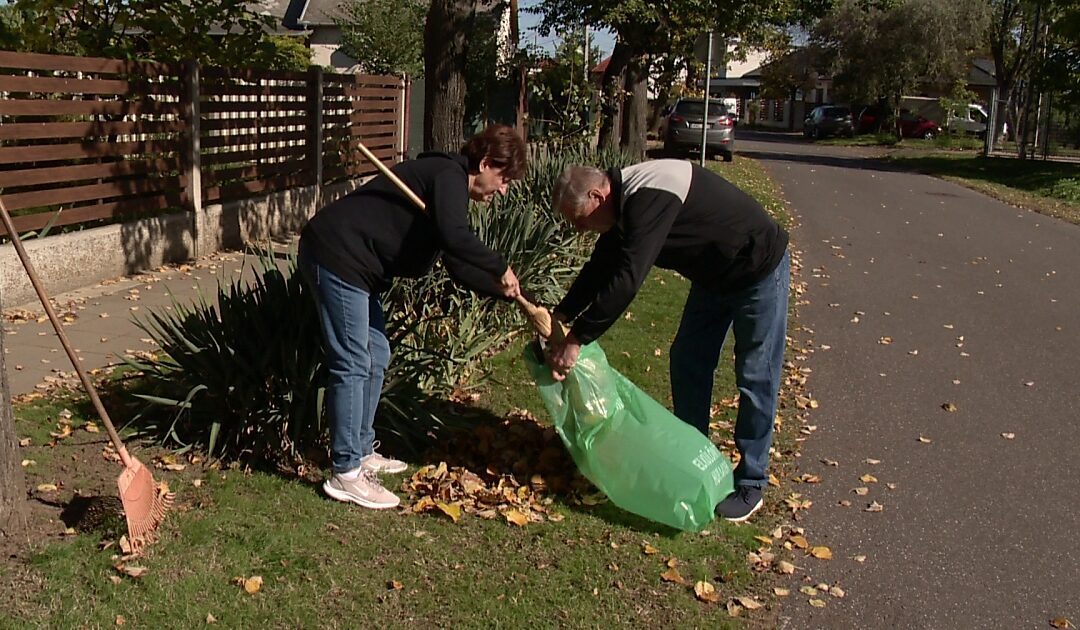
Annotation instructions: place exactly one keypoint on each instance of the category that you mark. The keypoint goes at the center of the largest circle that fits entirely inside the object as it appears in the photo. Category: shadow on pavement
(855, 162)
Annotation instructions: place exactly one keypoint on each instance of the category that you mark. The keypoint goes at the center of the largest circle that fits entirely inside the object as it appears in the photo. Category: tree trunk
(445, 35)
(635, 108)
(611, 99)
(12, 487)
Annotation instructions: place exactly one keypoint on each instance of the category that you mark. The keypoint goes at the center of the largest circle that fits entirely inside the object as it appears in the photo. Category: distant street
(946, 328)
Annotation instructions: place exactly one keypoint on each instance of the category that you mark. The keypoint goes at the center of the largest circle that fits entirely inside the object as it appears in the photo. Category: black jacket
(375, 233)
(675, 215)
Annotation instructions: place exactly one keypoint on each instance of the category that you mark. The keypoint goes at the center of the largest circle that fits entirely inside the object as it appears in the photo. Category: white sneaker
(379, 464)
(365, 490)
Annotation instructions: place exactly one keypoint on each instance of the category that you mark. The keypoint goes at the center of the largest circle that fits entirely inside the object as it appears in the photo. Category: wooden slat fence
(91, 141)
(85, 140)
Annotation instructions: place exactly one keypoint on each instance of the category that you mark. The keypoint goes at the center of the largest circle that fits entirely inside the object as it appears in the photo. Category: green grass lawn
(324, 564)
(1052, 188)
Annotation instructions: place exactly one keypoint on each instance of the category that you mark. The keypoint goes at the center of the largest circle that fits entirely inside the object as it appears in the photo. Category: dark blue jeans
(759, 317)
(357, 354)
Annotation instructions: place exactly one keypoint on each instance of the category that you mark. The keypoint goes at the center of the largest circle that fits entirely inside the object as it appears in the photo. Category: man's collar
(615, 180)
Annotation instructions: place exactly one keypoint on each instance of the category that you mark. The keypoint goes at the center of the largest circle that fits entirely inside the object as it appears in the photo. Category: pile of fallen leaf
(511, 469)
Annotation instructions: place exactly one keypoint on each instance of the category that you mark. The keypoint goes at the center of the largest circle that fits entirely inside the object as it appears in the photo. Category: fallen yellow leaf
(821, 553)
(748, 602)
(648, 549)
(868, 478)
(781, 592)
(394, 585)
(785, 567)
(673, 575)
(799, 541)
(47, 487)
(765, 540)
(874, 507)
(120, 620)
(515, 517)
(808, 590)
(925, 440)
(706, 592)
(1060, 622)
(817, 603)
(453, 510)
(950, 407)
(253, 584)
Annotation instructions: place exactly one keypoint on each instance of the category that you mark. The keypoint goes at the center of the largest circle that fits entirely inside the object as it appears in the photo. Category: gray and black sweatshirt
(375, 234)
(675, 215)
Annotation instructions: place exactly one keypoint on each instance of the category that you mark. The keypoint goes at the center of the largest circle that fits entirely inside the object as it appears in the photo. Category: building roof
(982, 72)
(317, 12)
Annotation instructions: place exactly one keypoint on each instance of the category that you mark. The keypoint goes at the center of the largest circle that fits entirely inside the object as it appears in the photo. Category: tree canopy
(214, 32)
(882, 50)
(386, 35)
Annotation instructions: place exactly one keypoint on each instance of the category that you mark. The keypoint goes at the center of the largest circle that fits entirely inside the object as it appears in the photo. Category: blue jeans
(357, 354)
(759, 316)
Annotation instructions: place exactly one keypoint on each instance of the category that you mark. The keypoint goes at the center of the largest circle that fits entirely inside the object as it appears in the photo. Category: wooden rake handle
(538, 316)
(59, 328)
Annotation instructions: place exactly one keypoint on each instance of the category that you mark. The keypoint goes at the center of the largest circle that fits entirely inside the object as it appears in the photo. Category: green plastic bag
(631, 447)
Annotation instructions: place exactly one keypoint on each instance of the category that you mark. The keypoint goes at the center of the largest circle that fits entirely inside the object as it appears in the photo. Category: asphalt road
(923, 294)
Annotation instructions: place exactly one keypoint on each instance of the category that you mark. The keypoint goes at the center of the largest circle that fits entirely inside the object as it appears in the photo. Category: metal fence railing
(1034, 125)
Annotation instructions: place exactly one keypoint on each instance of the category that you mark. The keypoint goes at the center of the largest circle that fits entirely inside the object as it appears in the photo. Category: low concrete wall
(78, 259)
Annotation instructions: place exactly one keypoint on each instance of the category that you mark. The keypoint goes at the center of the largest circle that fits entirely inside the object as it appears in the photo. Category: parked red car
(916, 126)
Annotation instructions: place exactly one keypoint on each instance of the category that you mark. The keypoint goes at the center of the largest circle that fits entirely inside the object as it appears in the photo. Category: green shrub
(242, 377)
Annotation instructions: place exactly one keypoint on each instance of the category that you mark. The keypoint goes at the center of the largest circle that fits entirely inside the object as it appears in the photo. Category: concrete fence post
(316, 133)
(193, 158)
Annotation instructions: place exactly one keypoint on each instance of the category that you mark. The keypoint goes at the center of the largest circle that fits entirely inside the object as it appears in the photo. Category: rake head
(144, 504)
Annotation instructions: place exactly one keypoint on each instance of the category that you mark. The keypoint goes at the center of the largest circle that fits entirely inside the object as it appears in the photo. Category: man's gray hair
(572, 188)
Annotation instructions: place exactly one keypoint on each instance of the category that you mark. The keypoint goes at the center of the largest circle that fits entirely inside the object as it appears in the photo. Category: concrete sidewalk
(100, 320)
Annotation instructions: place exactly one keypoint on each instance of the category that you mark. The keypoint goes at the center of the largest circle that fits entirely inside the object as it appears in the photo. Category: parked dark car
(681, 125)
(828, 120)
(916, 126)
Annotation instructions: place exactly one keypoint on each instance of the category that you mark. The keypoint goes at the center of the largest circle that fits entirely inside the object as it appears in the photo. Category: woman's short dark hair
(503, 148)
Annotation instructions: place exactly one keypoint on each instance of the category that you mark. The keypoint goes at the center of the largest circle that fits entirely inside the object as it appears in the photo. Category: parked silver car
(681, 125)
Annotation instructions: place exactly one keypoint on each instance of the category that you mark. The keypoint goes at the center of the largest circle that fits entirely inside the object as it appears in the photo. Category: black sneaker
(739, 505)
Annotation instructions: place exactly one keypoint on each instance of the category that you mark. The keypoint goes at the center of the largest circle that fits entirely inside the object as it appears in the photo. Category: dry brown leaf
(860, 558)
(90, 427)
(733, 608)
(950, 407)
(132, 570)
(836, 592)
(706, 592)
(394, 585)
(672, 562)
(862, 491)
(673, 575)
(885, 341)
(453, 510)
(648, 549)
(785, 567)
(1008, 436)
(210, 619)
(924, 439)
(26, 463)
(120, 620)
(516, 517)
(821, 553)
(874, 507)
(24, 442)
(1060, 622)
(868, 478)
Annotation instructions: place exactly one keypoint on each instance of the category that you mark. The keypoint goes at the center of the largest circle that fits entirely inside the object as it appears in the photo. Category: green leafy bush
(242, 377)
